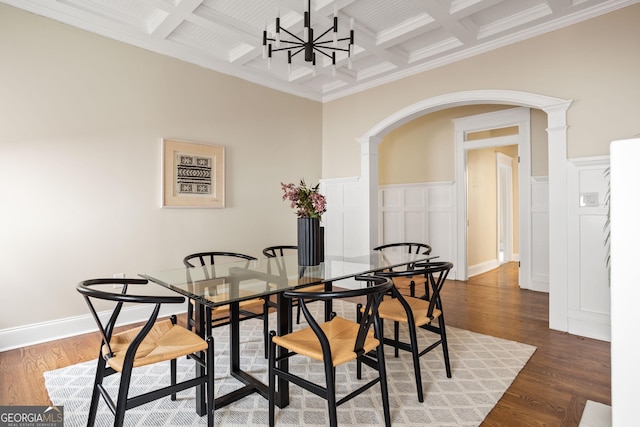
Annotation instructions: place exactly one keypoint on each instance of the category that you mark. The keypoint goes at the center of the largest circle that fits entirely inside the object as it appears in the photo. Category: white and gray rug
(483, 367)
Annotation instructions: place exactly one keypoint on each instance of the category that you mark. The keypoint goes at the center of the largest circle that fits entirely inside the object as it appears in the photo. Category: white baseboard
(37, 333)
(483, 267)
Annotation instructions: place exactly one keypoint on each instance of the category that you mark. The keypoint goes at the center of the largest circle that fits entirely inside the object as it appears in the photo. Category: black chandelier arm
(292, 35)
(294, 43)
(332, 57)
(297, 51)
(339, 49)
(331, 41)
(322, 35)
(301, 48)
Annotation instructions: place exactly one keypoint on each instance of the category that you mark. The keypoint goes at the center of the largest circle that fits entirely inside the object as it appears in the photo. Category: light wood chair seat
(165, 341)
(406, 284)
(392, 309)
(340, 333)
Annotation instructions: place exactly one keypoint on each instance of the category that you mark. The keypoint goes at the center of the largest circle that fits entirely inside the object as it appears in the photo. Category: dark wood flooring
(551, 390)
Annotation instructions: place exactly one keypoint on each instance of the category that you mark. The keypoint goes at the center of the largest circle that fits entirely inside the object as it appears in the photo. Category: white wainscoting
(540, 233)
(421, 212)
(588, 291)
(346, 231)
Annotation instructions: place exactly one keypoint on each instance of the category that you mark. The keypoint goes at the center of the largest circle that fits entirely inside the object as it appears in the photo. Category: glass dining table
(231, 283)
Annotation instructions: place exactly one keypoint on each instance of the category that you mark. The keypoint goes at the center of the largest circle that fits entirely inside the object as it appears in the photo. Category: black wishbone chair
(156, 341)
(334, 343)
(249, 309)
(274, 251)
(419, 312)
(404, 282)
(282, 250)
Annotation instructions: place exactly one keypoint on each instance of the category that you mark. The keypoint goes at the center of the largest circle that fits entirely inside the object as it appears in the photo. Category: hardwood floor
(551, 390)
(564, 372)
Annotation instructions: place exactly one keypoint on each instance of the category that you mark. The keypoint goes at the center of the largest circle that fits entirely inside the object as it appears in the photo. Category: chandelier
(309, 43)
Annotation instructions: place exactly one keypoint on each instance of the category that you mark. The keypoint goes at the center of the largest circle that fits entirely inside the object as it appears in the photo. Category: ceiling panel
(393, 39)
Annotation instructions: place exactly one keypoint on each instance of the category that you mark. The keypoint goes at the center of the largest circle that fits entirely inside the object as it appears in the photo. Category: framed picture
(192, 175)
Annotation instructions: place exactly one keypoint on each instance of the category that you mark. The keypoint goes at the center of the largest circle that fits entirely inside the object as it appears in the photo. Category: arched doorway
(556, 110)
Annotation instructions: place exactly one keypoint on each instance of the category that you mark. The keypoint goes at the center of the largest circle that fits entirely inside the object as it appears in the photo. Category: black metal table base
(251, 384)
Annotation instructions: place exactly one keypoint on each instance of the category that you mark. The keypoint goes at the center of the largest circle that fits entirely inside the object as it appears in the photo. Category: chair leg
(416, 361)
(123, 393)
(210, 381)
(445, 345)
(358, 362)
(173, 369)
(95, 397)
(265, 327)
(272, 381)
(329, 372)
(396, 336)
(384, 390)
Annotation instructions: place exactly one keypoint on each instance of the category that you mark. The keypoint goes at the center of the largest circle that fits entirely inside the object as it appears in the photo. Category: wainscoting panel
(588, 290)
(540, 234)
(422, 212)
(344, 233)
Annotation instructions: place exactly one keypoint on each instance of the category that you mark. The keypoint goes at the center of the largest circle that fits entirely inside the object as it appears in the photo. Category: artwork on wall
(193, 174)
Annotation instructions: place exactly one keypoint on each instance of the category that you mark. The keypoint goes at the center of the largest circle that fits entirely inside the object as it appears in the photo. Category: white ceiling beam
(175, 16)
(450, 24)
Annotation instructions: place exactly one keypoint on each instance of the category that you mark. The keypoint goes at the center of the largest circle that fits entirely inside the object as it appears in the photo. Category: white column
(369, 187)
(558, 216)
(625, 290)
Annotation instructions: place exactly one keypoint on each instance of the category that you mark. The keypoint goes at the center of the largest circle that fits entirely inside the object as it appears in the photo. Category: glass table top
(223, 283)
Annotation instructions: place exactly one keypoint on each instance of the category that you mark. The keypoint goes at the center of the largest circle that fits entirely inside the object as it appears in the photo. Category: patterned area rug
(482, 366)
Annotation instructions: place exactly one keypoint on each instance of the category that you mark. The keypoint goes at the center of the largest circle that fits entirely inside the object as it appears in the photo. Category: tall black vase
(310, 244)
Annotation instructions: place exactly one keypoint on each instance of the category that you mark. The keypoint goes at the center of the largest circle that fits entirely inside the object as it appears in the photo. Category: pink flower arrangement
(307, 201)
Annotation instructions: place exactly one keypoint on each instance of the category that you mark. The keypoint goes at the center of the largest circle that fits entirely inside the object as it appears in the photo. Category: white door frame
(520, 117)
(556, 109)
(504, 198)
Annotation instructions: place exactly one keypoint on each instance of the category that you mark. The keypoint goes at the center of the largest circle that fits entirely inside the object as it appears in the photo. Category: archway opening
(556, 110)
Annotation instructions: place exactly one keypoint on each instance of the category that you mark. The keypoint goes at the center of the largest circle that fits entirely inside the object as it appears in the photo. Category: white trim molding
(37, 333)
(556, 110)
(520, 117)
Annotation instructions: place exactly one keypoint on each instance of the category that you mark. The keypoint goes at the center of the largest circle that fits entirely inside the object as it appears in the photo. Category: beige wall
(423, 150)
(595, 63)
(482, 243)
(82, 119)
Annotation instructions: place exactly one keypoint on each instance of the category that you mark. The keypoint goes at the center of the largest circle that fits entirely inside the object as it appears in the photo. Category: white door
(504, 174)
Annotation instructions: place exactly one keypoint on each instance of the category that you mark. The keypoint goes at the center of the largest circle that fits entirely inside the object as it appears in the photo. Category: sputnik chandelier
(309, 44)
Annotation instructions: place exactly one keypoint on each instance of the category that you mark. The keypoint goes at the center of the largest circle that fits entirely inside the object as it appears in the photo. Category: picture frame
(193, 175)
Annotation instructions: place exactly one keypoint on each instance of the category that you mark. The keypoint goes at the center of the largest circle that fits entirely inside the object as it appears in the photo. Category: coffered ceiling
(393, 38)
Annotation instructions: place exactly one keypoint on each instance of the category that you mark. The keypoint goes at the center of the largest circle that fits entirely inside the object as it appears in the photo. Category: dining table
(233, 282)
